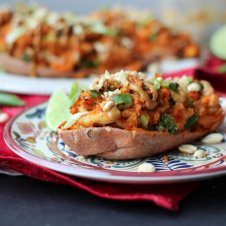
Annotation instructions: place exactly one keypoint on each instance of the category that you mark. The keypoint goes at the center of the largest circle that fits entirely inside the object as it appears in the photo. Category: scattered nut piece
(146, 167)
(199, 154)
(193, 87)
(187, 148)
(3, 117)
(213, 138)
(165, 158)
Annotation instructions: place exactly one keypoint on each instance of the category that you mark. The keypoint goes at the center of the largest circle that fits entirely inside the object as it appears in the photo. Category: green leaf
(76, 90)
(10, 100)
(167, 123)
(191, 121)
(89, 64)
(123, 99)
(95, 94)
(174, 86)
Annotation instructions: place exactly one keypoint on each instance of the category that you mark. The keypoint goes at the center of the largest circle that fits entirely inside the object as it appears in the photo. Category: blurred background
(198, 17)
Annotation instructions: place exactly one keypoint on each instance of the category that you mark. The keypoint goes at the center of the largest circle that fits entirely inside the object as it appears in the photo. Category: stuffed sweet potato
(35, 41)
(127, 115)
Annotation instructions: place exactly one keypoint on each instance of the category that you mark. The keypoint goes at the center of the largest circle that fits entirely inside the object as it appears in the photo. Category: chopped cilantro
(26, 57)
(167, 123)
(153, 36)
(190, 102)
(174, 86)
(95, 94)
(89, 64)
(201, 86)
(191, 121)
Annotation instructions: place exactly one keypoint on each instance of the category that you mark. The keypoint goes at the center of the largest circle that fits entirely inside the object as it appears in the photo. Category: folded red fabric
(166, 196)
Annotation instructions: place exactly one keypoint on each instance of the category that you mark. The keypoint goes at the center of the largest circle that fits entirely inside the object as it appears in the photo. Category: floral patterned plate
(28, 137)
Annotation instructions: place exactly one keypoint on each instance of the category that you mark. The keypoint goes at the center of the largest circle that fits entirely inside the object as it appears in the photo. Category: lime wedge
(57, 110)
(218, 43)
(76, 90)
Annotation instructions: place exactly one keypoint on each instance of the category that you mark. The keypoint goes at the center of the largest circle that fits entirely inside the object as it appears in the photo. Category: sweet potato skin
(17, 66)
(117, 144)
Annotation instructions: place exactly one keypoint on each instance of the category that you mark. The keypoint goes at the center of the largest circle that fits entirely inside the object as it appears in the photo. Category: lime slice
(218, 43)
(57, 110)
(76, 90)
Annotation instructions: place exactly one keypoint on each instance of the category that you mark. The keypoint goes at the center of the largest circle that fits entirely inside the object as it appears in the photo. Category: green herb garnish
(89, 64)
(167, 123)
(174, 86)
(153, 36)
(123, 99)
(190, 102)
(95, 94)
(201, 86)
(191, 121)
(26, 57)
(10, 100)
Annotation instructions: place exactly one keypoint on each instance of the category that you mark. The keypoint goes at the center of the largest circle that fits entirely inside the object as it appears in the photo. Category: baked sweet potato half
(127, 115)
(37, 42)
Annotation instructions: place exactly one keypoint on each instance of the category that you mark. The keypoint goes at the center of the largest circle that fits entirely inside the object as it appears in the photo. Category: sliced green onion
(144, 120)
(165, 83)
(191, 121)
(157, 82)
(123, 99)
(76, 90)
(10, 100)
(190, 79)
(95, 94)
(73, 119)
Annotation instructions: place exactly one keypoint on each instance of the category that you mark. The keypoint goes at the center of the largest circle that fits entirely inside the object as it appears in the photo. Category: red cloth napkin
(166, 196)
